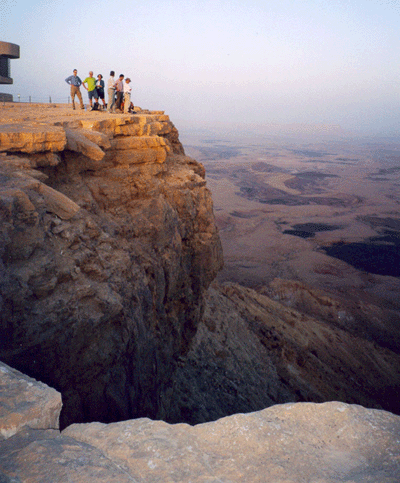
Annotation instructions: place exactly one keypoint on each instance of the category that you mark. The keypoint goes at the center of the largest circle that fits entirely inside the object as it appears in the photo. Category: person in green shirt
(91, 87)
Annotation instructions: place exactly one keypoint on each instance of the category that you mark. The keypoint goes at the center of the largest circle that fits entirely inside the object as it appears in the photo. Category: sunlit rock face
(108, 244)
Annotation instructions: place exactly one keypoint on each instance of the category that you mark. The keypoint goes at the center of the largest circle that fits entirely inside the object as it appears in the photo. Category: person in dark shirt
(100, 90)
(120, 91)
(75, 82)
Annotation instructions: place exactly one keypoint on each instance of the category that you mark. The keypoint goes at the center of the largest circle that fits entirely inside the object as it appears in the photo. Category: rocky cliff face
(253, 351)
(108, 244)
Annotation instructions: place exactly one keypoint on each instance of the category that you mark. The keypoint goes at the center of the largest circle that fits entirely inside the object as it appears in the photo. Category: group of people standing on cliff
(119, 92)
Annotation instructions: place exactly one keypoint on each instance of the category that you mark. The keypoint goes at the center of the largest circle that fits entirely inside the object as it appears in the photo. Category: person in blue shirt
(75, 82)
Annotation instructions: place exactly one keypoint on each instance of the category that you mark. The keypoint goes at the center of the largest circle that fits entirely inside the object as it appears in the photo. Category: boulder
(290, 443)
(26, 402)
(77, 141)
(58, 203)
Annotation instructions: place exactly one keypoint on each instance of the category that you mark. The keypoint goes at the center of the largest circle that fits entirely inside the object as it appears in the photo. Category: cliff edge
(107, 247)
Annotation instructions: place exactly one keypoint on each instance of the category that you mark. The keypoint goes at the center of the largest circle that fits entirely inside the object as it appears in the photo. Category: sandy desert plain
(322, 211)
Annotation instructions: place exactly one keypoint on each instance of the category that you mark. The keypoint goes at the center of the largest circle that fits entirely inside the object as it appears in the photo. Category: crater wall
(108, 244)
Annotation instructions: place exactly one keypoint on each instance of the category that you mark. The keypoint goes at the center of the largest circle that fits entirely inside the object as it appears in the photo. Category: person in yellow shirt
(91, 87)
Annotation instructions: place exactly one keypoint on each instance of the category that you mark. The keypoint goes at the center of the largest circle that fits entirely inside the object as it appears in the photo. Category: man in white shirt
(111, 92)
(127, 95)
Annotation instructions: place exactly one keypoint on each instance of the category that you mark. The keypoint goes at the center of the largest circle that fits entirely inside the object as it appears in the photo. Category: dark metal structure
(7, 51)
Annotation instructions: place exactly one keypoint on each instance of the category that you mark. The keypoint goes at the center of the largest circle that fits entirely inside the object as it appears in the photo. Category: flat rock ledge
(290, 443)
(54, 128)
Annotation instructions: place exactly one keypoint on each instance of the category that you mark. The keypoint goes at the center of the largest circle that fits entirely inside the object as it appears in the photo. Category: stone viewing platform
(16, 112)
(35, 128)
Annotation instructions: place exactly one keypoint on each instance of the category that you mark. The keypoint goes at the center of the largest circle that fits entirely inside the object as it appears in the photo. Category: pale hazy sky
(216, 61)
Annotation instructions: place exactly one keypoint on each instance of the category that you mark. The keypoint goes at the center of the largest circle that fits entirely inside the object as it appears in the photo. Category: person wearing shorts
(91, 87)
(100, 90)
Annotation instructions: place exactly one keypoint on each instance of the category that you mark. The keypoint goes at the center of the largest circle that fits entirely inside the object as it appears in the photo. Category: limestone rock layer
(108, 244)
